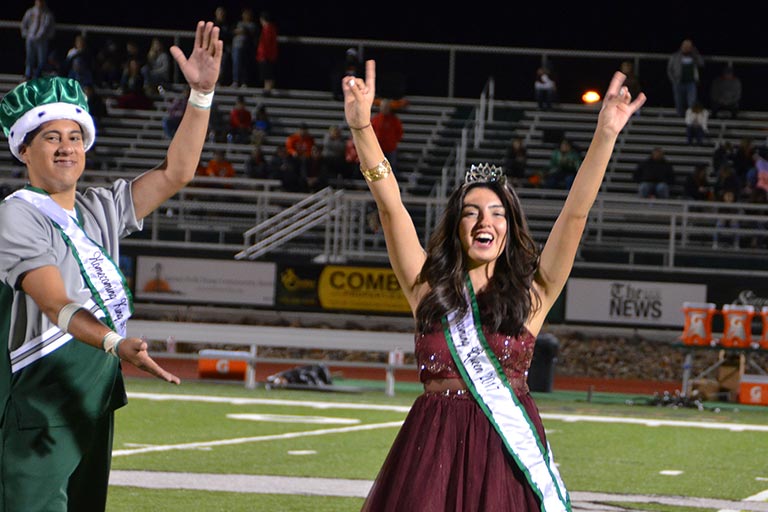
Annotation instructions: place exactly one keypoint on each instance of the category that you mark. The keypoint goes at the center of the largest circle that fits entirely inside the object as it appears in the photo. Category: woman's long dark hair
(506, 302)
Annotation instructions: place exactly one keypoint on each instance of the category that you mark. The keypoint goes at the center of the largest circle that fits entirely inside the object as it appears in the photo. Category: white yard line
(268, 401)
(264, 484)
(256, 439)
(649, 422)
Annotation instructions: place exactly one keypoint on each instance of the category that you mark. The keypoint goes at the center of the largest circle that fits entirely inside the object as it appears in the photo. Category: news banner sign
(209, 281)
(619, 301)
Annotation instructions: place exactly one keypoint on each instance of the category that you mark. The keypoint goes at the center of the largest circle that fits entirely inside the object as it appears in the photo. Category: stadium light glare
(590, 97)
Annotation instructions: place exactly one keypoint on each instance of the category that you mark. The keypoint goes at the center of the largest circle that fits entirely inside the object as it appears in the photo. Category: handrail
(291, 223)
(436, 50)
(664, 227)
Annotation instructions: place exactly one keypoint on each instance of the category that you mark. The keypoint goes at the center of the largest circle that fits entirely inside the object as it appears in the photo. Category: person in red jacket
(266, 52)
(240, 122)
(388, 129)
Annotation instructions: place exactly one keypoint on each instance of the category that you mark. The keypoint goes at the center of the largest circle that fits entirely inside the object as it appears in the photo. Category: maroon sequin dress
(447, 456)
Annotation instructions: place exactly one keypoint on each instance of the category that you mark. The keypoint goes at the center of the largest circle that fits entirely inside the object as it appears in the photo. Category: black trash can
(541, 375)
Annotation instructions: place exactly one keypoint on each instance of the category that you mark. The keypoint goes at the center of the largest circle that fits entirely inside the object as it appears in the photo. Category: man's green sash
(111, 299)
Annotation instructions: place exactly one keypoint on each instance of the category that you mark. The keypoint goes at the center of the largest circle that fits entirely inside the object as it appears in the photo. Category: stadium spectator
(351, 159)
(218, 126)
(256, 166)
(132, 93)
(78, 63)
(697, 186)
(744, 158)
(727, 221)
(96, 106)
(132, 52)
(221, 20)
(262, 125)
(267, 52)
(757, 175)
(240, 122)
(696, 119)
(175, 112)
(724, 153)
(683, 68)
(350, 66)
(219, 166)
(727, 182)
(725, 94)
(633, 81)
(655, 176)
(299, 143)
(243, 46)
(516, 160)
(544, 89)
(37, 28)
(563, 164)
(157, 68)
(334, 148)
(284, 167)
(108, 65)
(315, 170)
(388, 129)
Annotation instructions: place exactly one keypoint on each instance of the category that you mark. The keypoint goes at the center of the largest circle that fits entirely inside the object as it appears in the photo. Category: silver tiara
(483, 173)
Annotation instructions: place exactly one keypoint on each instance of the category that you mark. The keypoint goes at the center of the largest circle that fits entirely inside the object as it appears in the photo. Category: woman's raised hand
(358, 96)
(618, 105)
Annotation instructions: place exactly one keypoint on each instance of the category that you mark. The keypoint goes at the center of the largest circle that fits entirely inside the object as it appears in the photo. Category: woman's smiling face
(483, 226)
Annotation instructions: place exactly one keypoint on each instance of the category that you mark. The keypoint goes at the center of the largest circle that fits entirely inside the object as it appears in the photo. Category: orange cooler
(764, 338)
(737, 325)
(698, 323)
(221, 369)
(754, 390)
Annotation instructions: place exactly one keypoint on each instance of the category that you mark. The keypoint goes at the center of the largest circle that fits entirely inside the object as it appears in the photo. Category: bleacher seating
(132, 141)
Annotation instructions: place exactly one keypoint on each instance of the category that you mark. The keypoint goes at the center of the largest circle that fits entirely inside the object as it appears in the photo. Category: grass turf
(601, 457)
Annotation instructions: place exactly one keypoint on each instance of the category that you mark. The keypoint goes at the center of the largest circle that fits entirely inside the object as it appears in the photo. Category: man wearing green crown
(64, 302)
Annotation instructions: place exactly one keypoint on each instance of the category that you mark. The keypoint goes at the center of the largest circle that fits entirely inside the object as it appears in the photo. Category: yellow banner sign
(361, 289)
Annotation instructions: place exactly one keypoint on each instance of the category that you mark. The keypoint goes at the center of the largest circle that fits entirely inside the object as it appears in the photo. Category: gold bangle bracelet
(377, 173)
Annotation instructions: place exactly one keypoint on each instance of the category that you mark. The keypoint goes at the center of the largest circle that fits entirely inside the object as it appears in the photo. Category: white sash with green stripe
(52, 339)
(489, 386)
(111, 299)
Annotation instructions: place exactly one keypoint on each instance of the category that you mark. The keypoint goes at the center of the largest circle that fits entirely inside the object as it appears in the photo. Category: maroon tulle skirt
(448, 457)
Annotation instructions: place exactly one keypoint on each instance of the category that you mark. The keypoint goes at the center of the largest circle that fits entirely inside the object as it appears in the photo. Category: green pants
(55, 469)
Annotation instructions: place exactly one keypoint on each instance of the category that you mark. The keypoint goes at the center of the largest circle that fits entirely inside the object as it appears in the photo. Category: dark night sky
(618, 25)
(649, 27)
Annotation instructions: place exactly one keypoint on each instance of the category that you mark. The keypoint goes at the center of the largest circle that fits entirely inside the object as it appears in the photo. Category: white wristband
(200, 99)
(111, 342)
(65, 315)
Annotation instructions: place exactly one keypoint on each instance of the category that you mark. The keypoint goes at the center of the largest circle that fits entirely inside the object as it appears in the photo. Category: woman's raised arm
(406, 254)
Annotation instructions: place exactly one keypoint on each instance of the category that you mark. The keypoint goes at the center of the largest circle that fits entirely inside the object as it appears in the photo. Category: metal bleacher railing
(214, 217)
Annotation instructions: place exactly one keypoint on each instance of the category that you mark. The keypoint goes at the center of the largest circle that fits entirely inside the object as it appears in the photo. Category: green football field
(222, 434)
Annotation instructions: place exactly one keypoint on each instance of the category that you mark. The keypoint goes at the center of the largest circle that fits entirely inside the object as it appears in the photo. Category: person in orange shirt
(388, 129)
(219, 166)
(299, 143)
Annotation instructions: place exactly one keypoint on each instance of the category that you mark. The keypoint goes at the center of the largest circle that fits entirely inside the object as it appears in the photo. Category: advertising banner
(210, 281)
(373, 289)
(619, 301)
(296, 286)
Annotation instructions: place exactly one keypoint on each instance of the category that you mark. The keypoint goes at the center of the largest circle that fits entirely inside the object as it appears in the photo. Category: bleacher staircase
(244, 216)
